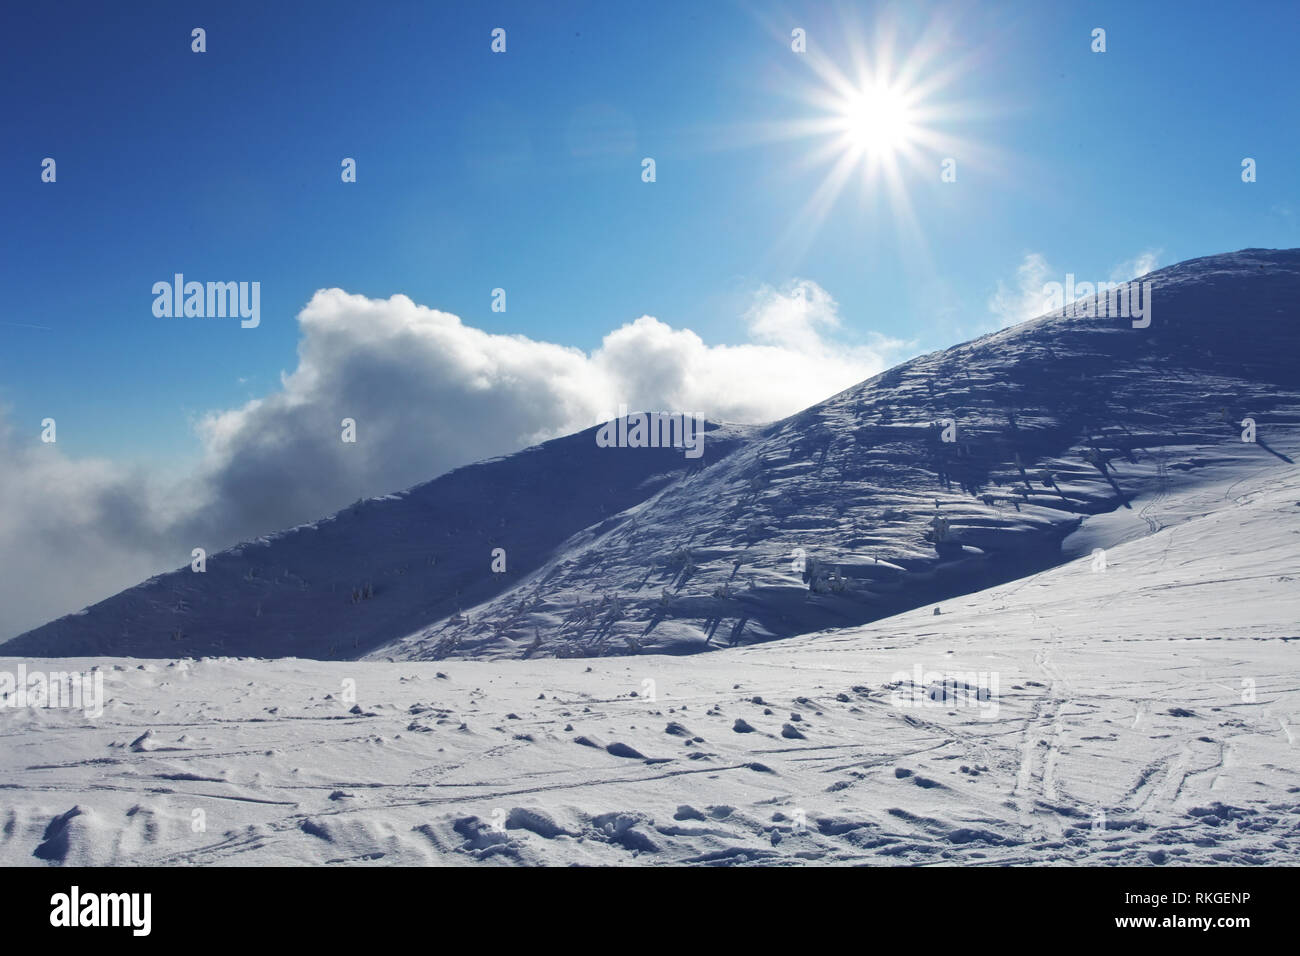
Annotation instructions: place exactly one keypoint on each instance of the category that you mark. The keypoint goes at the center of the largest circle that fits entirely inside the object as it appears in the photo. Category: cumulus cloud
(427, 393)
(789, 364)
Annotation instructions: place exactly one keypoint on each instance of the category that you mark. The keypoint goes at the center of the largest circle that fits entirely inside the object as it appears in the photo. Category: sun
(877, 121)
(881, 111)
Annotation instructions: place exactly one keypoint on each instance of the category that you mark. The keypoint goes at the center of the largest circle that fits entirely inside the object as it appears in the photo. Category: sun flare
(881, 111)
(877, 121)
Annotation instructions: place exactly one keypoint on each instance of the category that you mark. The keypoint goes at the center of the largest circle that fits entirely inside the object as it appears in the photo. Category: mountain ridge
(854, 509)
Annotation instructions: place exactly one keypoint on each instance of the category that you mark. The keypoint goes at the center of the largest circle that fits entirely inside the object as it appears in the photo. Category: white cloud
(1025, 299)
(69, 530)
(788, 365)
(1148, 260)
(792, 318)
(428, 393)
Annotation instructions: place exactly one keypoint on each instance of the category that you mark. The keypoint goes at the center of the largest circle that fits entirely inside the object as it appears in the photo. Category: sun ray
(881, 106)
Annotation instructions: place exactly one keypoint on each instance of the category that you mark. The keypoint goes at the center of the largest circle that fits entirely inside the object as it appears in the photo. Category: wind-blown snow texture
(1145, 713)
(616, 551)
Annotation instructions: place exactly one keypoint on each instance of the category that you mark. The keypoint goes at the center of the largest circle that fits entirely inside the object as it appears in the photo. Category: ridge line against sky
(835, 189)
(426, 393)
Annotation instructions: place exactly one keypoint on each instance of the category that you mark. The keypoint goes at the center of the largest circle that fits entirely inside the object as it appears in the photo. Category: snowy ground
(1162, 692)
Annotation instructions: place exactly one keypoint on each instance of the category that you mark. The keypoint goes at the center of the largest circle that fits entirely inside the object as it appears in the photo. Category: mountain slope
(1057, 422)
(1147, 714)
(1068, 433)
(337, 587)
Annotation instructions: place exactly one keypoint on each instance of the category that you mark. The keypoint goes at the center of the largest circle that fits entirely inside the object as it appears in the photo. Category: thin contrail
(24, 325)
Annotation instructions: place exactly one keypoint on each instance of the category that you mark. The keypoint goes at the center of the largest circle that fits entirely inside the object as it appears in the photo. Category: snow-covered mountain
(1145, 714)
(948, 474)
(1023, 700)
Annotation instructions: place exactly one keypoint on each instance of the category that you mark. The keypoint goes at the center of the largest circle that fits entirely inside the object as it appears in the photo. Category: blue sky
(522, 171)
